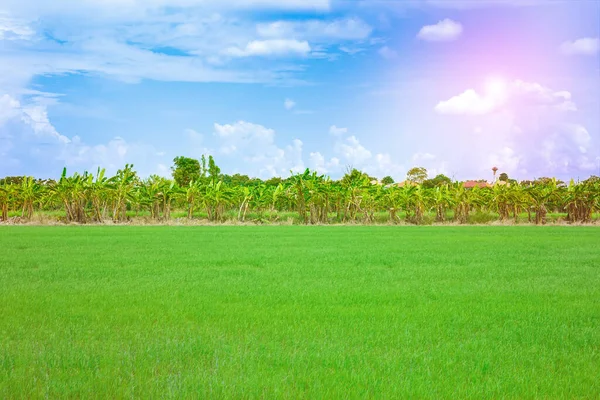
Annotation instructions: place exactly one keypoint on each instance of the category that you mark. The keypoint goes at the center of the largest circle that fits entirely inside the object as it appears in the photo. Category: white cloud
(37, 117)
(507, 158)
(196, 146)
(33, 116)
(272, 47)
(526, 137)
(430, 162)
(255, 144)
(565, 151)
(289, 104)
(32, 145)
(318, 163)
(467, 4)
(9, 108)
(13, 29)
(120, 8)
(443, 31)
(122, 61)
(469, 102)
(317, 30)
(401, 6)
(165, 40)
(515, 94)
(421, 157)
(350, 152)
(351, 50)
(585, 46)
(335, 131)
(388, 53)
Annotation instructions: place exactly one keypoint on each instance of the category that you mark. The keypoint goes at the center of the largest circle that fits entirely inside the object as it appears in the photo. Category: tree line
(199, 189)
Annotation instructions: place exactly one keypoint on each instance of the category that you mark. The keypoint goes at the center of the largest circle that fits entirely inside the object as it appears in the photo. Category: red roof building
(479, 184)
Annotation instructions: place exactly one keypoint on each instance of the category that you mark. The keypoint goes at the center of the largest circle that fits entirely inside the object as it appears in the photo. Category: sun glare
(496, 87)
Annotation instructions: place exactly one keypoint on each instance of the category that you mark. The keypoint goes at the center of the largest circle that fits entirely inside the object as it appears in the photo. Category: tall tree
(439, 180)
(388, 180)
(186, 170)
(213, 170)
(417, 174)
(203, 169)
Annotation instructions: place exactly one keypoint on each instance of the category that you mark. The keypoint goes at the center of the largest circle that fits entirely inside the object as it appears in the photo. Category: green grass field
(299, 312)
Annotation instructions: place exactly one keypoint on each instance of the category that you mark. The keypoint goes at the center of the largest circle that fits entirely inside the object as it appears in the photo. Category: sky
(271, 87)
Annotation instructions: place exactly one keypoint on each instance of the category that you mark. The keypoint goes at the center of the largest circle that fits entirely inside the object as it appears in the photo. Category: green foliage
(186, 170)
(203, 168)
(503, 177)
(388, 180)
(299, 312)
(416, 174)
(480, 217)
(439, 180)
(314, 198)
(275, 181)
(355, 177)
(14, 180)
(214, 171)
(237, 180)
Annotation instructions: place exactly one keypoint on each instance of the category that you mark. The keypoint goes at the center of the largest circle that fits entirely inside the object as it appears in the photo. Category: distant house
(473, 184)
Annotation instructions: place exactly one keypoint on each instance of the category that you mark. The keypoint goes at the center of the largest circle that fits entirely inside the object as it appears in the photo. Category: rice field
(299, 312)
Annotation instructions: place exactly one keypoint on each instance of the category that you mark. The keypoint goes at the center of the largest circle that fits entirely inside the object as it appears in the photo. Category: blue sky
(266, 86)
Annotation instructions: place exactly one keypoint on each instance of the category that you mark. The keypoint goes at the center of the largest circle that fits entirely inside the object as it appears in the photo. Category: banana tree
(541, 195)
(278, 197)
(519, 200)
(193, 195)
(6, 195)
(501, 200)
(442, 200)
(389, 201)
(99, 190)
(28, 192)
(148, 196)
(168, 193)
(413, 201)
(71, 192)
(216, 197)
(297, 184)
(123, 185)
(579, 202)
(354, 185)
